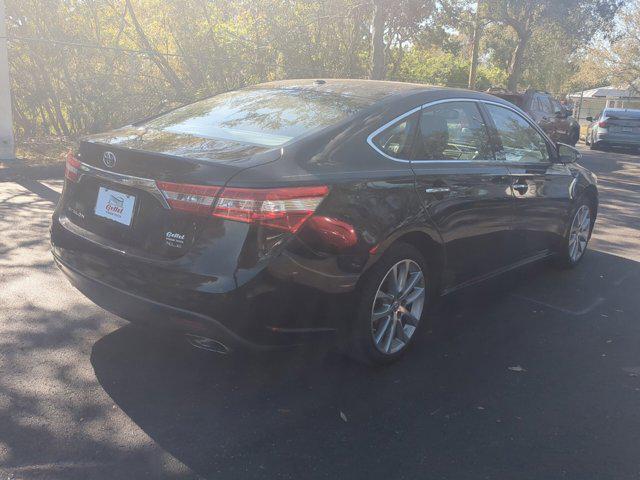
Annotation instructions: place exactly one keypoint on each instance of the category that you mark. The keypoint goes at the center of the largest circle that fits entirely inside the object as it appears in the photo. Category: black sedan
(299, 210)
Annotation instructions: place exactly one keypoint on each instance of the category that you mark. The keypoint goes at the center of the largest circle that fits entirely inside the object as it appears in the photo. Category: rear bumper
(255, 316)
(618, 140)
(145, 311)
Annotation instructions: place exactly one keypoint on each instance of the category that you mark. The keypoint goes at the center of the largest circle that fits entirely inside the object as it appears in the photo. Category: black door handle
(520, 187)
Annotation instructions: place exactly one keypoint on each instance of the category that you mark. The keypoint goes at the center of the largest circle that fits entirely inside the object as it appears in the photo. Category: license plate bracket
(115, 206)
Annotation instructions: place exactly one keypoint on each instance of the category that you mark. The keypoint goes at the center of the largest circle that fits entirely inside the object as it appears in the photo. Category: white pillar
(7, 146)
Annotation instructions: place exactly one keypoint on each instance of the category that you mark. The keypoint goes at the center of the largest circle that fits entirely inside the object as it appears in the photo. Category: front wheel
(393, 297)
(577, 239)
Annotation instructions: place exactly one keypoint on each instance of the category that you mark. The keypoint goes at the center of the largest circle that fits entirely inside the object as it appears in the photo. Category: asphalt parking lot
(533, 376)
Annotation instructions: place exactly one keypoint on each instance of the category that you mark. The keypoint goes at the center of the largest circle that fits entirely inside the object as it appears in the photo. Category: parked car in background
(293, 210)
(554, 118)
(614, 127)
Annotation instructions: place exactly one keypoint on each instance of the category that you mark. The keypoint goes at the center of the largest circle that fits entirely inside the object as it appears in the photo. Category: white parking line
(566, 311)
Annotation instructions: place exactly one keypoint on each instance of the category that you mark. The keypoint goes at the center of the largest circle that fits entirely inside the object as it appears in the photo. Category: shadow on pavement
(39, 189)
(452, 408)
(618, 227)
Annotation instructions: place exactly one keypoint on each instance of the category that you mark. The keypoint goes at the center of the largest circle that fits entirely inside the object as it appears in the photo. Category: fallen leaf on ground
(517, 368)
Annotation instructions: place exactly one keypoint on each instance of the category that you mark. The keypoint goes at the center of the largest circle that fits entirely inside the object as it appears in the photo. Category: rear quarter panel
(372, 193)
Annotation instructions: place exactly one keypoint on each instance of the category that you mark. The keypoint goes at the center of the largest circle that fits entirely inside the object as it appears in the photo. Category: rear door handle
(520, 187)
(438, 190)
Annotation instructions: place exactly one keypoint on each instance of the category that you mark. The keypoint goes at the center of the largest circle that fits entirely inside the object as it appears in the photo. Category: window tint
(535, 104)
(268, 117)
(520, 141)
(545, 104)
(452, 131)
(396, 140)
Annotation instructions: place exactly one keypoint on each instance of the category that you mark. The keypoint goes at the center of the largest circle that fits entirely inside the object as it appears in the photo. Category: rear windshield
(622, 114)
(265, 117)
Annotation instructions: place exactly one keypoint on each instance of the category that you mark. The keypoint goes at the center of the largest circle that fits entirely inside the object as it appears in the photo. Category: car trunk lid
(624, 123)
(123, 187)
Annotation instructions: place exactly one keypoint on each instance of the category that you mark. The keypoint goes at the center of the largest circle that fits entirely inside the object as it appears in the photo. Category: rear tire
(575, 243)
(393, 296)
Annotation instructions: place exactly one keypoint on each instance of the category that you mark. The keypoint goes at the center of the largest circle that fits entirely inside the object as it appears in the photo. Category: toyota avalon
(299, 210)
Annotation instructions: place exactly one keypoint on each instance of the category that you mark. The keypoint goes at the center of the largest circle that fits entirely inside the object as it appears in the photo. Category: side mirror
(568, 154)
(589, 119)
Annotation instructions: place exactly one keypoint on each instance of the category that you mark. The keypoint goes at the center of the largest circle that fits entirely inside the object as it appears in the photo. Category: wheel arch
(591, 192)
(432, 250)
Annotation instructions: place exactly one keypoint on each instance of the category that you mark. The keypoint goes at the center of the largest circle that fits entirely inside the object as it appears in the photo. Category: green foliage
(80, 66)
(442, 68)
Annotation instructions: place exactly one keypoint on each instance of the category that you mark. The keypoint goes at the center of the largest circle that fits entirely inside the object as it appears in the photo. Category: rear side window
(520, 142)
(264, 117)
(452, 131)
(396, 141)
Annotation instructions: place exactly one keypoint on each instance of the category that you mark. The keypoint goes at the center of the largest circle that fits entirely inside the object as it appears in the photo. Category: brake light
(71, 167)
(282, 208)
(189, 198)
(602, 124)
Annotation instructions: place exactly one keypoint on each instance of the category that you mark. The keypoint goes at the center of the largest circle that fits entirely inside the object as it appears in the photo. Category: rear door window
(520, 141)
(396, 141)
(452, 131)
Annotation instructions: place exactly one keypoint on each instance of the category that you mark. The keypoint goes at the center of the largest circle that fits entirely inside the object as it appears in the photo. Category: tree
(616, 61)
(577, 19)
(377, 40)
(394, 23)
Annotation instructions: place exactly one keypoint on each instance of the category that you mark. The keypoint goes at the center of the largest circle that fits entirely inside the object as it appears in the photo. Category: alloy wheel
(397, 306)
(579, 233)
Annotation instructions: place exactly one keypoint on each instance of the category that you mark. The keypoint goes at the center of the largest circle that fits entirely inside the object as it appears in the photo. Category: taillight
(602, 124)
(189, 198)
(281, 208)
(71, 167)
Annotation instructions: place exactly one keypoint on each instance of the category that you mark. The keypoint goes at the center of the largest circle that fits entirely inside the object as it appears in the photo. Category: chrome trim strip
(438, 190)
(146, 184)
(448, 100)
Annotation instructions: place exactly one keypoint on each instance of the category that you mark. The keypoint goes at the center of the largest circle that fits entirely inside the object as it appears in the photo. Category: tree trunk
(477, 31)
(352, 49)
(377, 41)
(160, 61)
(516, 64)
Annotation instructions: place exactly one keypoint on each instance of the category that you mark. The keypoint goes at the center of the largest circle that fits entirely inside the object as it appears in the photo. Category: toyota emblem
(109, 159)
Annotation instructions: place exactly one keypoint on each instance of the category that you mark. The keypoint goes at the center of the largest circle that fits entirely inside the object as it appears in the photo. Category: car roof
(372, 89)
(377, 90)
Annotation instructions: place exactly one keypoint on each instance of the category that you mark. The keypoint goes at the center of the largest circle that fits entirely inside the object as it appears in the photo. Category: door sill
(496, 273)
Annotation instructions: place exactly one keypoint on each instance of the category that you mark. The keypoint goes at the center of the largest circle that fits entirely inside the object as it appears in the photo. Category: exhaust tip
(208, 344)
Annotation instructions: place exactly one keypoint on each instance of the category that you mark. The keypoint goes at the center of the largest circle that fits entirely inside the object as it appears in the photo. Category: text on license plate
(114, 205)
